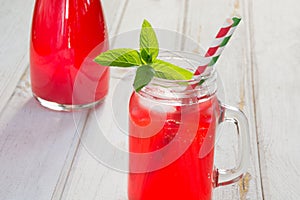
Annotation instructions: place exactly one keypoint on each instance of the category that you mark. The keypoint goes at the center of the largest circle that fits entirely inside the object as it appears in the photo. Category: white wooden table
(41, 157)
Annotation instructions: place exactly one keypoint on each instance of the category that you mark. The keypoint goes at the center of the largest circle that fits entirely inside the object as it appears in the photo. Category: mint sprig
(146, 60)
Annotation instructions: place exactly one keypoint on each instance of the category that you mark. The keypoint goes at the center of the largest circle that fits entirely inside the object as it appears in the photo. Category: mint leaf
(169, 71)
(119, 57)
(148, 43)
(143, 76)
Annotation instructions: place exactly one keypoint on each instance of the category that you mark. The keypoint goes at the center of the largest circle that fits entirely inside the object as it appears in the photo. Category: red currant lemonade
(190, 175)
(63, 35)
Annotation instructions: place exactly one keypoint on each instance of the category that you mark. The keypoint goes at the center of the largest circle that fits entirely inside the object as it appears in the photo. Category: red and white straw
(219, 43)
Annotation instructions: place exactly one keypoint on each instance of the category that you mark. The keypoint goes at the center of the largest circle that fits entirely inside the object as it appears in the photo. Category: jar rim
(188, 57)
(173, 91)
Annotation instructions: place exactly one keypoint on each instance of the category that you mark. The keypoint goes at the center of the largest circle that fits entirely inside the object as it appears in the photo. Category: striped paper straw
(219, 43)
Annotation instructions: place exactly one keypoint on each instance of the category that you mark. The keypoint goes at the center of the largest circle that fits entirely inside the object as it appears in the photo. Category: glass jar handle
(233, 115)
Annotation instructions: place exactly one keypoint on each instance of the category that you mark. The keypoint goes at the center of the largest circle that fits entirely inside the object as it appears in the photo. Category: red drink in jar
(189, 176)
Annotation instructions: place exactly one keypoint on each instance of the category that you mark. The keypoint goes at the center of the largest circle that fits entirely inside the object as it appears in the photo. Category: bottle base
(65, 107)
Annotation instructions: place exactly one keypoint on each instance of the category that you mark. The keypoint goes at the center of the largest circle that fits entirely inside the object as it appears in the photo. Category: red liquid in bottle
(190, 177)
(66, 36)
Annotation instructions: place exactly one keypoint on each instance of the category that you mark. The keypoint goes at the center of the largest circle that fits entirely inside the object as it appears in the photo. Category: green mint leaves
(148, 43)
(170, 71)
(144, 75)
(146, 60)
(119, 57)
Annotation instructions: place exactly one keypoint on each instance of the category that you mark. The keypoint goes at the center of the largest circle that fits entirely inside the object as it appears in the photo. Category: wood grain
(15, 18)
(34, 143)
(276, 49)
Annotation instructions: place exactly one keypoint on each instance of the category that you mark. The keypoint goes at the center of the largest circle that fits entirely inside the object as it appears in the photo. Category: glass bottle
(66, 36)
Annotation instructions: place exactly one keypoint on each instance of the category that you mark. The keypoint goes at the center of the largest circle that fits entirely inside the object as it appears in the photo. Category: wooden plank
(15, 20)
(277, 91)
(113, 11)
(34, 143)
(88, 178)
(234, 68)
